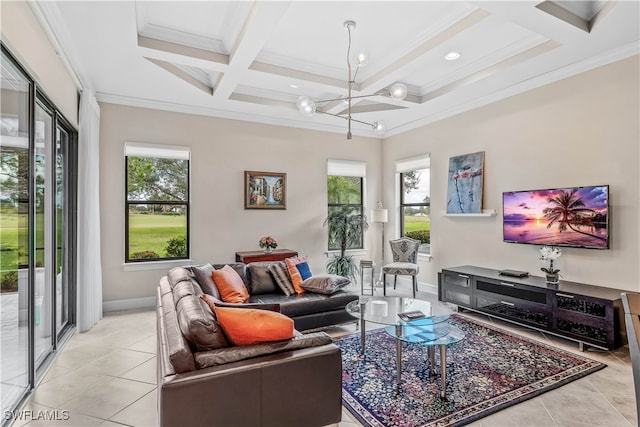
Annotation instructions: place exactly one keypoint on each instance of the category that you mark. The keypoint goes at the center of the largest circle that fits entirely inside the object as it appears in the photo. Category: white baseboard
(428, 288)
(128, 304)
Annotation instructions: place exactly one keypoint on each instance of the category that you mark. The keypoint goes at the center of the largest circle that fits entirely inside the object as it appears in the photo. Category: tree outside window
(345, 194)
(415, 207)
(157, 217)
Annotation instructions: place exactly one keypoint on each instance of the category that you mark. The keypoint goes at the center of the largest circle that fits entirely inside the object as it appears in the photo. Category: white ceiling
(252, 60)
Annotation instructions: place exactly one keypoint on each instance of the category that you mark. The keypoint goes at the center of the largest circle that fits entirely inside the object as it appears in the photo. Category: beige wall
(25, 38)
(221, 151)
(583, 130)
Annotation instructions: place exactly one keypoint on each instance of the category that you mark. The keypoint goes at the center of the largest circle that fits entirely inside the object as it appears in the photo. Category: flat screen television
(575, 217)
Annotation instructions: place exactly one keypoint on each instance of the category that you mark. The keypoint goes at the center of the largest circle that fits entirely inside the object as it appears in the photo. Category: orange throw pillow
(244, 326)
(230, 285)
(296, 278)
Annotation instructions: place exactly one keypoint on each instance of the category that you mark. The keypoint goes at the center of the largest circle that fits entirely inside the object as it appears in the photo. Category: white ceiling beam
(181, 74)
(181, 54)
(258, 27)
(493, 69)
(394, 72)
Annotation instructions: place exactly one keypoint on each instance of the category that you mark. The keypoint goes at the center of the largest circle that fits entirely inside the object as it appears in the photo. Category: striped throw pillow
(280, 274)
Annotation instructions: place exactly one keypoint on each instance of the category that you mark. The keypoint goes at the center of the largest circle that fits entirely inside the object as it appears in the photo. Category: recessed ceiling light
(292, 86)
(452, 56)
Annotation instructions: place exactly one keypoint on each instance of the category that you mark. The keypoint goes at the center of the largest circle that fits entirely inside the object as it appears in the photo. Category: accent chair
(405, 255)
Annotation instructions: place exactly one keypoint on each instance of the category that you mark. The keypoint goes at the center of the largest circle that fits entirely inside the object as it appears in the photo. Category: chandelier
(309, 107)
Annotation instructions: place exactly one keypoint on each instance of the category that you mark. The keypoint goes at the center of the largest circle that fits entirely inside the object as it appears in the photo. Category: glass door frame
(37, 97)
(41, 99)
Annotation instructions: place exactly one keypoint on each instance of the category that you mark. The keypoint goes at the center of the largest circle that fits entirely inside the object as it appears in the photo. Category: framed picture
(464, 192)
(265, 190)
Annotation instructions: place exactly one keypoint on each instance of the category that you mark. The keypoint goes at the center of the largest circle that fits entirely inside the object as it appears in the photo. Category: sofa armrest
(297, 388)
(222, 356)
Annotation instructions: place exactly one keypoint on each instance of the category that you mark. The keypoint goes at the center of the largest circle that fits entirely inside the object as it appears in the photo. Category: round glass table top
(398, 310)
(425, 334)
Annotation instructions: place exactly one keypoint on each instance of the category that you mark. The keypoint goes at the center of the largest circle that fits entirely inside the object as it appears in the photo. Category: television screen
(577, 217)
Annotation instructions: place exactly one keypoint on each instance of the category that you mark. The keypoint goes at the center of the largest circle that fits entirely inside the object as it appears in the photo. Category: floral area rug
(489, 370)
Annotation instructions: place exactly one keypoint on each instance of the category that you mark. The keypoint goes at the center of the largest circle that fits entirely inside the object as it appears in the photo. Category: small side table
(367, 264)
(256, 256)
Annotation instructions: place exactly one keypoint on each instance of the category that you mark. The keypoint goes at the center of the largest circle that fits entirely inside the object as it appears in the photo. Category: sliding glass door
(63, 233)
(37, 232)
(43, 232)
(15, 234)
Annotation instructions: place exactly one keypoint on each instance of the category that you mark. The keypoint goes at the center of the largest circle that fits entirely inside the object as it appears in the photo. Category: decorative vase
(553, 279)
(268, 250)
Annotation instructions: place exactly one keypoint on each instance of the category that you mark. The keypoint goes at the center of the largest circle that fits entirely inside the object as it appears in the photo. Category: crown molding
(48, 15)
(223, 114)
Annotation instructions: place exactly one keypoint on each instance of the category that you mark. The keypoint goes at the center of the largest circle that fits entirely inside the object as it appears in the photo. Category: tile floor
(106, 377)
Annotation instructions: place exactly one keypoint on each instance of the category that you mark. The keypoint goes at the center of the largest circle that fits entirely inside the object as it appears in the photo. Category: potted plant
(346, 227)
(550, 253)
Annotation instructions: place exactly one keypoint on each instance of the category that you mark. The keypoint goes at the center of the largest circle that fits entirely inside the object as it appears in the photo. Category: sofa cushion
(307, 303)
(251, 326)
(281, 276)
(214, 302)
(202, 274)
(223, 356)
(198, 325)
(296, 278)
(325, 283)
(230, 285)
(239, 267)
(260, 279)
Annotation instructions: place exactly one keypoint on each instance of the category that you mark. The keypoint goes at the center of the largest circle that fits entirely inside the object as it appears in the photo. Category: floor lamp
(381, 215)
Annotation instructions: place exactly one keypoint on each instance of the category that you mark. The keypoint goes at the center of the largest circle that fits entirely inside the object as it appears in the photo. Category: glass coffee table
(394, 312)
(431, 336)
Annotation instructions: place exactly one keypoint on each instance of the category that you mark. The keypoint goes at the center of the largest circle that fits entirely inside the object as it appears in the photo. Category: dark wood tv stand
(590, 315)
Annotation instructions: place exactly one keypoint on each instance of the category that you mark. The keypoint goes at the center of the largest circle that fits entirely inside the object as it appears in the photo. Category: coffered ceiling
(252, 60)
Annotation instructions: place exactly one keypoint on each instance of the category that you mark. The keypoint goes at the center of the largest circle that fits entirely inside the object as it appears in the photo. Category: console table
(590, 315)
(256, 256)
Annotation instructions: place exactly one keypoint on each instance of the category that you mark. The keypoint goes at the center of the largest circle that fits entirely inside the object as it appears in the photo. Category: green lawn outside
(415, 223)
(147, 233)
(13, 226)
(153, 232)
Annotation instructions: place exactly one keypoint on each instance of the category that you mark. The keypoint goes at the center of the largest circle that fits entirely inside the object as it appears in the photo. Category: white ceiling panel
(252, 60)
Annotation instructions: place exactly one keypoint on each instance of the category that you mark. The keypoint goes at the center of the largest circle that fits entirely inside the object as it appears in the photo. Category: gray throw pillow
(202, 274)
(260, 279)
(324, 283)
(281, 275)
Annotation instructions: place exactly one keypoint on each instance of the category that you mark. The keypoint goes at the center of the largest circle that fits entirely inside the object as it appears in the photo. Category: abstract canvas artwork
(464, 191)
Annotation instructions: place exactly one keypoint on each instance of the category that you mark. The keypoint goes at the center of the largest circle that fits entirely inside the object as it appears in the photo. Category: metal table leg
(432, 360)
(363, 327)
(399, 354)
(443, 370)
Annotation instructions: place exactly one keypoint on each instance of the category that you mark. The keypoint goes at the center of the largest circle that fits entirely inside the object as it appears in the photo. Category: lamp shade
(379, 215)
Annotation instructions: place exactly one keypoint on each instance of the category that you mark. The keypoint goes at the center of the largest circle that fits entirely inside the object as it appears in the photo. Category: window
(415, 200)
(157, 203)
(344, 195)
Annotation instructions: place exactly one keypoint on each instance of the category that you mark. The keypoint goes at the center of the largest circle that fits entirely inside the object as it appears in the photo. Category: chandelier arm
(344, 98)
(345, 118)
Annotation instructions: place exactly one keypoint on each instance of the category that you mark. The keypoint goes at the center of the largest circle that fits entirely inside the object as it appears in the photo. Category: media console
(590, 315)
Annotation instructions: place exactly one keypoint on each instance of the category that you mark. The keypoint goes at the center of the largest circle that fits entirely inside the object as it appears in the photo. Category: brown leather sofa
(202, 381)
